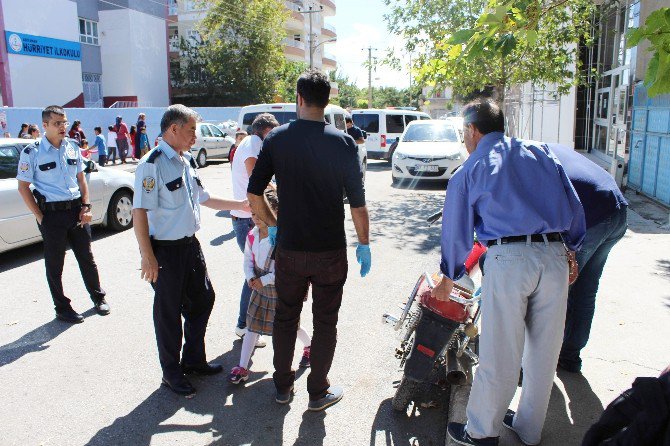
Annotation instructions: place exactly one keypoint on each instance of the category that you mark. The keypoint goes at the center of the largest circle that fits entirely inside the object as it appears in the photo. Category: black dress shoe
(70, 316)
(202, 369)
(102, 307)
(180, 386)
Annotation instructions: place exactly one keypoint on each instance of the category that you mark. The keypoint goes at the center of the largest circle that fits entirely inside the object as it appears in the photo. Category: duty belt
(551, 237)
(59, 205)
(181, 241)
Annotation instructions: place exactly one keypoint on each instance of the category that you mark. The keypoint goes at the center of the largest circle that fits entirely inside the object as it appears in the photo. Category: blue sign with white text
(28, 45)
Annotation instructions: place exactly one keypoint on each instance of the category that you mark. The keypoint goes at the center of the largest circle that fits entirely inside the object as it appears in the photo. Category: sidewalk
(630, 336)
(130, 166)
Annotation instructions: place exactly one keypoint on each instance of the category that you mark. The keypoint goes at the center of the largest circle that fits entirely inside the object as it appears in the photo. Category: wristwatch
(86, 205)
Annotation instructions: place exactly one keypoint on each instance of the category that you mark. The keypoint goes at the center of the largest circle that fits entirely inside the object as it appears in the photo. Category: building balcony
(329, 61)
(334, 89)
(328, 31)
(295, 20)
(294, 49)
(329, 8)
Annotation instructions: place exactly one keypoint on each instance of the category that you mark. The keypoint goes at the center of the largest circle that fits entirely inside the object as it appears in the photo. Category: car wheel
(201, 159)
(120, 211)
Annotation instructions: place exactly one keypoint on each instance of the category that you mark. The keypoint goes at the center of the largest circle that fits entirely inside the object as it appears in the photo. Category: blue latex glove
(272, 234)
(364, 258)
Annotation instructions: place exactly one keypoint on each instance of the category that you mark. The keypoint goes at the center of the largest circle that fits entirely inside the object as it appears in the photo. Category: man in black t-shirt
(312, 162)
(353, 131)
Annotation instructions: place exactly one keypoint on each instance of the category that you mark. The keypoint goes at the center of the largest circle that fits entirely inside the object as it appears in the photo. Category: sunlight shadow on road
(35, 340)
(391, 428)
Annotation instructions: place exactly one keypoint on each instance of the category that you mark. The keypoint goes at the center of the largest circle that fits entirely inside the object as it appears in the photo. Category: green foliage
(656, 31)
(474, 44)
(287, 80)
(240, 58)
(348, 91)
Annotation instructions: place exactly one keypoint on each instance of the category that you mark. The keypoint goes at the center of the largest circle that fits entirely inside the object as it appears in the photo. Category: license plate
(426, 168)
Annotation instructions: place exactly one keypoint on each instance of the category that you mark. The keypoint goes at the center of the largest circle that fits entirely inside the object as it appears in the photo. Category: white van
(285, 113)
(383, 127)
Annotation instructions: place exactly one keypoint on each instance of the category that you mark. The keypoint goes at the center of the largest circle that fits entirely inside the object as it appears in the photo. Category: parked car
(229, 127)
(383, 126)
(111, 194)
(285, 113)
(428, 150)
(210, 143)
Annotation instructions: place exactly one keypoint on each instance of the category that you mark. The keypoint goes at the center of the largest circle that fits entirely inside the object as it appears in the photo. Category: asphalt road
(98, 383)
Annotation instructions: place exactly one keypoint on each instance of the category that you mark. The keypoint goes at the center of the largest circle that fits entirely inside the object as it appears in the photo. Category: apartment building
(184, 16)
(83, 53)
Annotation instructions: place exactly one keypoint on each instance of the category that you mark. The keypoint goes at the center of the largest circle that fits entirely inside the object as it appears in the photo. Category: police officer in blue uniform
(61, 205)
(166, 212)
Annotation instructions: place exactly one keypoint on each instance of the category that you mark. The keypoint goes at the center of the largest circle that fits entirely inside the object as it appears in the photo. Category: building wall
(40, 80)
(136, 41)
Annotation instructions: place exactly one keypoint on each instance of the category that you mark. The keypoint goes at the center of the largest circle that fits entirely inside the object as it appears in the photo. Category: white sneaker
(240, 332)
(260, 342)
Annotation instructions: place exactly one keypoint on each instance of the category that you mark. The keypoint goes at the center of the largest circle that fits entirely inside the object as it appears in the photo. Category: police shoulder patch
(148, 184)
(24, 166)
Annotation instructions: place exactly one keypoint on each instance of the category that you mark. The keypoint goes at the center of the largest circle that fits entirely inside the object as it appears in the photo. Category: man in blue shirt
(605, 208)
(166, 216)
(518, 199)
(62, 208)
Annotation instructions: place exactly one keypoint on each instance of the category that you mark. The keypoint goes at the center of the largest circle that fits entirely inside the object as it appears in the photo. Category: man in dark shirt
(312, 162)
(605, 212)
(353, 131)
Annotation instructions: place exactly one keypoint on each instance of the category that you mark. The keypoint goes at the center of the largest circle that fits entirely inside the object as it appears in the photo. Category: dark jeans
(111, 156)
(242, 226)
(102, 160)
(182, 289)
(327, 272)
(582, 296)
(58, 228)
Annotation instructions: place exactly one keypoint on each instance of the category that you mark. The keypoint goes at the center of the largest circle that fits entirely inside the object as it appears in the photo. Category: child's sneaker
(238, 375)
(305, 362)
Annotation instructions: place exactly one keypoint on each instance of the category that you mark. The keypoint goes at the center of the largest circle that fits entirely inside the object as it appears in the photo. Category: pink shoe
(305, 362)
(238, 375)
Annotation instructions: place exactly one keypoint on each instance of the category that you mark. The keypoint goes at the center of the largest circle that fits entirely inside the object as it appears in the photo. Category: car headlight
(400, 156)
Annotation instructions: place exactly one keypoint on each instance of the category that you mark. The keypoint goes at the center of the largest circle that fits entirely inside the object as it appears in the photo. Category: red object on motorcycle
(449, 309)
(473, 259)
(425, 350)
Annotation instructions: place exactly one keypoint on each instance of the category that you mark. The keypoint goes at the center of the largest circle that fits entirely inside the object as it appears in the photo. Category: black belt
(551, 237)
(181, 241)
(60, 205)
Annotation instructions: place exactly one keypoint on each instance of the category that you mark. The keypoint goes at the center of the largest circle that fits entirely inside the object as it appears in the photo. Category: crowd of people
(548, 217)
(119, 143)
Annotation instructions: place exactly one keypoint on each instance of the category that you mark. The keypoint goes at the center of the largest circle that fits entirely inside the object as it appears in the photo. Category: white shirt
(111, 139)
(250, 147)
(261, 250)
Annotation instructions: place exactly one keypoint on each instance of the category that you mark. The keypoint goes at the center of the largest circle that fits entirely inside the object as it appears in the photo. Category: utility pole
(310, 41)
(369, 49)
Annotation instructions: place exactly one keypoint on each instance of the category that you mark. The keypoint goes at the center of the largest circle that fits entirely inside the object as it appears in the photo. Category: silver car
(210, 143)
(111, 194)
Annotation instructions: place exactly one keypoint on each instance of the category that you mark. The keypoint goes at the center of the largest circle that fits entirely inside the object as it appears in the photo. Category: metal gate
(649, 163)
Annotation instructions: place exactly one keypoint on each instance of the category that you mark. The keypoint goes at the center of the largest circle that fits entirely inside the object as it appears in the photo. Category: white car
(285, 113)
(210, 143)
(428, 150)
(111, 194)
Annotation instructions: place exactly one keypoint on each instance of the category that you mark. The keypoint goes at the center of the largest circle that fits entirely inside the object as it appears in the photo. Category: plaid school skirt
(261, 312)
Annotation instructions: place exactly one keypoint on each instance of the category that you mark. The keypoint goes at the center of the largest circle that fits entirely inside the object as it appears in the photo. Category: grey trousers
(525, 291)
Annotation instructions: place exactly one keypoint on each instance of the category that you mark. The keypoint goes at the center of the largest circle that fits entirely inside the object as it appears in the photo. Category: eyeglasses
(61, 123)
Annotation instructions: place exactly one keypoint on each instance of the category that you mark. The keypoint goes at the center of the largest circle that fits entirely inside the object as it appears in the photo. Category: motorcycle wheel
(405, 393)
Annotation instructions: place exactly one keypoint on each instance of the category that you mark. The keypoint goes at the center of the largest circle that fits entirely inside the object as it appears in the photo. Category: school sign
(28, 45)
